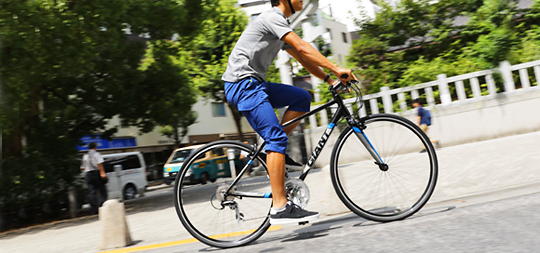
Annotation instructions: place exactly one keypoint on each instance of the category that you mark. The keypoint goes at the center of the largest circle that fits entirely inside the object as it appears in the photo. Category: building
(336, 36)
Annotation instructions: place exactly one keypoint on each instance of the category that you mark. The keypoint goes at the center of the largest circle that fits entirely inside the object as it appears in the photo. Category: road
(501, 221)
(489, 183)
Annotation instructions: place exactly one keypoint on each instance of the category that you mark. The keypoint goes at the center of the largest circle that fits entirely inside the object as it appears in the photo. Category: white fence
(464, 108)
(445, 90)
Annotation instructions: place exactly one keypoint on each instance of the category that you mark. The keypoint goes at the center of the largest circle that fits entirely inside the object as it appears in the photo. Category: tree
(67, 68)
(166, 86)
(417, 40)
(494, 25)
(408, 25)
(210, 50)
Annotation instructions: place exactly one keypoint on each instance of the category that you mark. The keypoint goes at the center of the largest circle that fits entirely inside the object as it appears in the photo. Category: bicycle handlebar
(340, 86)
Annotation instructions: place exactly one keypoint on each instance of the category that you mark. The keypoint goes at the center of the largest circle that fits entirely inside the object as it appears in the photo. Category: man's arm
(101, 170)
(99, 163)
(311, 59)
(310, 66)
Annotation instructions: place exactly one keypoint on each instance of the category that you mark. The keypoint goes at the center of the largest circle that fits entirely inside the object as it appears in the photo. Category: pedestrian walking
(423, 119)
(92, 164)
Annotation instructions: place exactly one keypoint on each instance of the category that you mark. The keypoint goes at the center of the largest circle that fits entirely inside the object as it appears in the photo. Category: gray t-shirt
(258, 46)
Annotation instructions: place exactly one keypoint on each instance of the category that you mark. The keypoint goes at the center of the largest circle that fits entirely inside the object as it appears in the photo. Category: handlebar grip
(344, 76)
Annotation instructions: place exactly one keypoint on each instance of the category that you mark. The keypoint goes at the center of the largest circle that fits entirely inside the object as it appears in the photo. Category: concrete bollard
(73, 207)
(115, 232)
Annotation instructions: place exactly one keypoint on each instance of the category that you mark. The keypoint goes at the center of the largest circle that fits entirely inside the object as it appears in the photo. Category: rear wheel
(212, 216)
(391, 191)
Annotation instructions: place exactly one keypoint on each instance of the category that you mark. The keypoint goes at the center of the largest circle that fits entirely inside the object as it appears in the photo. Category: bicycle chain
(252, 184)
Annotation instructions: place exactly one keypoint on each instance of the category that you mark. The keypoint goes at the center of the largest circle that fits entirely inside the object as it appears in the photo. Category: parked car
(213, 165)
(126, 173)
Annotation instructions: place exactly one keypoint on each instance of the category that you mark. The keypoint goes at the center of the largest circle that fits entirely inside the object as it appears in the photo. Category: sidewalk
(464, 170)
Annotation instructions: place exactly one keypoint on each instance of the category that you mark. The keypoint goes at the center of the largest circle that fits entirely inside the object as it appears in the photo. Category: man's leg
(103, 193)
(276, 164)
(92, 194)
(290, 115)
(297, 99)
(425, 128)
(276, 171)
(298, 102)
(265, 122)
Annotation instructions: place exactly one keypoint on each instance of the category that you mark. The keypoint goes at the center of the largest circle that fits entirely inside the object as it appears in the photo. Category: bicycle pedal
(303, 223)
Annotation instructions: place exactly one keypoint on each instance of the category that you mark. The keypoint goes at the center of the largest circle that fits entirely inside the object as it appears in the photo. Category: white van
(126, 173)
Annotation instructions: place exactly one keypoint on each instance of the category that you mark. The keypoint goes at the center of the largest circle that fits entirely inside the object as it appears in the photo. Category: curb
(157, 187)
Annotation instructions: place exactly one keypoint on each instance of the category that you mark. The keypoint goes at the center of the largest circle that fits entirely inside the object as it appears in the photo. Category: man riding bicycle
(245, 88)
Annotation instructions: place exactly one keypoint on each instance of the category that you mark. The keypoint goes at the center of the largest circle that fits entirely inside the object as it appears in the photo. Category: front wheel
(208, 213)
(391, 191)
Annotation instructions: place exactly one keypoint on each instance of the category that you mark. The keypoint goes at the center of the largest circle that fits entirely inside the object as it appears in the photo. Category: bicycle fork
(358, 129)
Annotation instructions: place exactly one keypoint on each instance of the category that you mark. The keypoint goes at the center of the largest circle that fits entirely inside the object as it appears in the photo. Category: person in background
(92, 164)
(423, 120)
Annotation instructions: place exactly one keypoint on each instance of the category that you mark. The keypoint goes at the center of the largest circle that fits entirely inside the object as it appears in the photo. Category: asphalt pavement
(499, 165)
(499, 221)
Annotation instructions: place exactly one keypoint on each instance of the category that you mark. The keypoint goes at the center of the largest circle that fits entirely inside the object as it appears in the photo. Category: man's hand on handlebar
(344, 75)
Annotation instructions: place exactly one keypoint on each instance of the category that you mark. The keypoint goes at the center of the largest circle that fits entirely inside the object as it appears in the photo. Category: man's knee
(303, 101)
(305, 96)
(278, 143)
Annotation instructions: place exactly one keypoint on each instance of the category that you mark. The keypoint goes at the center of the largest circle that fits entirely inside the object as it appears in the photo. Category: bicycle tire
(196, 205)
(352, 169)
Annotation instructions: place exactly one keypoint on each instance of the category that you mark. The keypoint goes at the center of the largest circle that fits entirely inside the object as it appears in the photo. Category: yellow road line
(180, 242)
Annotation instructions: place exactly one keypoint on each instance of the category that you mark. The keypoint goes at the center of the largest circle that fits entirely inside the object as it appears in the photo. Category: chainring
(297, 191)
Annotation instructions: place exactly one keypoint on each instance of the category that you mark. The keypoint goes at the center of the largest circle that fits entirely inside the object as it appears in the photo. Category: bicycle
(379, 178)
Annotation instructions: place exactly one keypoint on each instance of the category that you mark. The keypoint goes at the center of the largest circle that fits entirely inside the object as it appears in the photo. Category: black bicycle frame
(340, 113)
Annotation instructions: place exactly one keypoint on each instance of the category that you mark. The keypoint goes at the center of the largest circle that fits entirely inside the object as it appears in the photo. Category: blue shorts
(257, 100)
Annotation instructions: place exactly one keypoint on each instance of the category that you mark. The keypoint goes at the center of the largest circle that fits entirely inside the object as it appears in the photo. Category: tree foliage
(209, 51)
(67, 68)
(419, 39)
